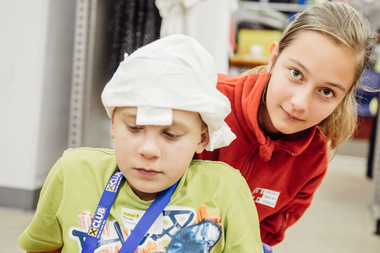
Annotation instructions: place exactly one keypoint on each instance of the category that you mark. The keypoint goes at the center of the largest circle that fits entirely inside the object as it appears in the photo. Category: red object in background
(232, 36)
(363, 128)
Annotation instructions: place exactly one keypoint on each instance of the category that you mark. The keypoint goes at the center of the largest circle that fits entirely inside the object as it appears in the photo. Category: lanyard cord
(102, 211)
(147, 220)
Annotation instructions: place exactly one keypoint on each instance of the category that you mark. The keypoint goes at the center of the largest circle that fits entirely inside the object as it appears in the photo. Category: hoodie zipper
(284, 223)
(247, 172)
(288, 151)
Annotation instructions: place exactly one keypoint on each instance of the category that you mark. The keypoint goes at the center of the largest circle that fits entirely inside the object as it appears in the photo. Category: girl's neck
(265, 123)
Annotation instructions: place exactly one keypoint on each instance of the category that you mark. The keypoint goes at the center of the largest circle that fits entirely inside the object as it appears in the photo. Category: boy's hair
(345, 26)
(175, 72)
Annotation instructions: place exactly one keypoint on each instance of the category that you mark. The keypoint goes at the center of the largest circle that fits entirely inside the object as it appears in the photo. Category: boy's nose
(149, 148)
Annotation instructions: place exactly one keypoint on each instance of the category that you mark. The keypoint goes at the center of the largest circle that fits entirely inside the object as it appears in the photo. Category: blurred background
(57, 55)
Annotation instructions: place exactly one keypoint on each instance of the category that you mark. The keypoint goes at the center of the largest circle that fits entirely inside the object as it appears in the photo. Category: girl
(289, 114)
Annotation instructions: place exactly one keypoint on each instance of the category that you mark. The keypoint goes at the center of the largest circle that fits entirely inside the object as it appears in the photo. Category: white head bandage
(175, 72)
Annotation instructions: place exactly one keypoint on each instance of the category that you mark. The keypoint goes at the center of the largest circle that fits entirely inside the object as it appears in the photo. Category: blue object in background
(370, 79)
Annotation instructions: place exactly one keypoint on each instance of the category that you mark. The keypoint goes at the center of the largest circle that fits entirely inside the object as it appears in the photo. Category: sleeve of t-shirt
(44, 232)
(243, 227)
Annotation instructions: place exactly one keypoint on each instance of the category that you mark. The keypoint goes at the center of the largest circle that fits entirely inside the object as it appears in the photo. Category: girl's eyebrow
(339, 86)
(300, 64)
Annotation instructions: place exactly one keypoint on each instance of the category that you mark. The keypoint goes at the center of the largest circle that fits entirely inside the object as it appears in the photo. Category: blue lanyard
(103, 210)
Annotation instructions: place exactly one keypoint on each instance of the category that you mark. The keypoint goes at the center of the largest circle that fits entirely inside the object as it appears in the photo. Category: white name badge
(131, 217)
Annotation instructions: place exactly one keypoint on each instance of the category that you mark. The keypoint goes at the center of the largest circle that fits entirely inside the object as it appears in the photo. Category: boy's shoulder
(216, 168)
(88, 155)
(88, 151)
(214, 165)
(206, 178)
(86, 163)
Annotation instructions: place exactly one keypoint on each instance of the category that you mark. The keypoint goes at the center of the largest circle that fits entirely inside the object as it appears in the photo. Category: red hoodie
(282, 174)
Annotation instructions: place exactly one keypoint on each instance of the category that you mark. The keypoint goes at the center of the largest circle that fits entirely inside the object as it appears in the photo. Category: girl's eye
(328, 93)
(296, 74)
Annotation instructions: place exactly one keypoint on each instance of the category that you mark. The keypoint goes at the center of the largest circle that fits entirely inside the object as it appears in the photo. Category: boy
(164, 107)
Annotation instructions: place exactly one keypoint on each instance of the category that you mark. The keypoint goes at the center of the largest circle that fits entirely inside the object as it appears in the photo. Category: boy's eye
(172, 136)
(134, 128)
(328, 93)
(296, 74)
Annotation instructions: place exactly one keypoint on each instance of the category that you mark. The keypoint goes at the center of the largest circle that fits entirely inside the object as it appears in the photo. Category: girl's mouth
(290, 117)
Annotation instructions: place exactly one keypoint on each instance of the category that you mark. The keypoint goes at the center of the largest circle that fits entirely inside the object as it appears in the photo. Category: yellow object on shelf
(248, 37)
(373, 106)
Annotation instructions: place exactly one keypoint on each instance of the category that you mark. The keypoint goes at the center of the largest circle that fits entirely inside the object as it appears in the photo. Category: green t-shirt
(207, 191)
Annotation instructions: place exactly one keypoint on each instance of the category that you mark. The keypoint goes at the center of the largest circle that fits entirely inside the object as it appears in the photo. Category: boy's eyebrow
(177, 123)
(128, 114)
(339, 86)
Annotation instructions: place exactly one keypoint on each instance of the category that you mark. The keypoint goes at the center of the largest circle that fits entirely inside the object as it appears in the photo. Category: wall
(37, 49)
(370, 8)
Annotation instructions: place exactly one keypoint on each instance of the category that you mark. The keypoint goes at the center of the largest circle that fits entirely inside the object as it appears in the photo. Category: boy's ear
(273, 53)
(205, 138)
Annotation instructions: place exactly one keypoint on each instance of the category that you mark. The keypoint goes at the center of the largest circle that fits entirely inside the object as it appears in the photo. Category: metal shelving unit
(89, 124)
(376, 179)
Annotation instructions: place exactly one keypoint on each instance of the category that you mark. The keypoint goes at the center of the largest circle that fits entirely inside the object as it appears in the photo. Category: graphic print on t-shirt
(177, 229)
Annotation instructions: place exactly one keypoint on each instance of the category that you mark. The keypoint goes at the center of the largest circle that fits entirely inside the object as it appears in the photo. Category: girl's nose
(301, 98)
(150, 147)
